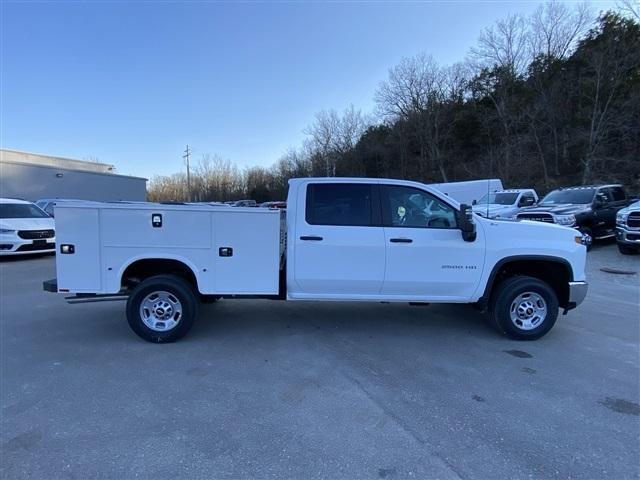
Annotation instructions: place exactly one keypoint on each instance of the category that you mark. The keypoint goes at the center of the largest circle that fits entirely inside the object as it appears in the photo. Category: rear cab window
(618, 194)
(341, 204)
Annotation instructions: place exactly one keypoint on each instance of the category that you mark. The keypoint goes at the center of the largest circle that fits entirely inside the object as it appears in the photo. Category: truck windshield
(577, 196)
(499, 198)
(21, 210)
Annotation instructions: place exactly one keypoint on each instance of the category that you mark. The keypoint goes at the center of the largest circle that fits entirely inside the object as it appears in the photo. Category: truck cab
(505, 204)
(341, 239)
(591, 209)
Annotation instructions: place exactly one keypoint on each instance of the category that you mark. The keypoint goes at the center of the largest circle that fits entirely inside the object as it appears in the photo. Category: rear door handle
(400, 240)
(311, 238)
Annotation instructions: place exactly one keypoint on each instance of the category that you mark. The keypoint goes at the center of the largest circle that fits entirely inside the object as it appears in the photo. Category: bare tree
(324, 134)
(419, 92)
(505, 44)
(554, 28)
(408, 87)
(606, 70)
(332, 135)
(631, 8)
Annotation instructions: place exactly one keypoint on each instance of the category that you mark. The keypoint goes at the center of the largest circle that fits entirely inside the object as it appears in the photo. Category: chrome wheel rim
(528, 310)
(160, 311)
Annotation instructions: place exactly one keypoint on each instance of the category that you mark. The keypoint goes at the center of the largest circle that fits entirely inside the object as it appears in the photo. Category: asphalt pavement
(268, 389)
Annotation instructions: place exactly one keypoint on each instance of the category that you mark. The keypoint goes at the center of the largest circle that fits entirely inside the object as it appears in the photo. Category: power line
(187, 157)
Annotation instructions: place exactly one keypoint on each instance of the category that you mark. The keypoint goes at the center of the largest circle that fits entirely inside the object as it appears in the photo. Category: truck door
(426, 255)
(604, 213)
(338, 242)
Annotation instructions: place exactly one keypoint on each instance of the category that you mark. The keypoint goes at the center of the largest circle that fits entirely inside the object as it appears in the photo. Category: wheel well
(148, 267)
(555, 273)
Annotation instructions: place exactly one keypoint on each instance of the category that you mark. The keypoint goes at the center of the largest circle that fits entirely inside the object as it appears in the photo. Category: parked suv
(505, 203)
(590, 209)
(628, 229)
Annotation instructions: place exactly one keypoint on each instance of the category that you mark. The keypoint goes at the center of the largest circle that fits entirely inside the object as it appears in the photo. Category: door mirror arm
(466, 224)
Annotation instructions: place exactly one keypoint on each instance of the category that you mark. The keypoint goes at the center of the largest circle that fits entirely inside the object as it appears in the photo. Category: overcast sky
(130, 83)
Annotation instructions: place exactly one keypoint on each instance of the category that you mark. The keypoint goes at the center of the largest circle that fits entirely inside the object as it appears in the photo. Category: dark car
(591, 209)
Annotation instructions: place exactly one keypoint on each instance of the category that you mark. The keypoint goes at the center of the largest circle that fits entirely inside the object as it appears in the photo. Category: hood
(559, 209)
(634, 207)
(27, 223)
(493, 208)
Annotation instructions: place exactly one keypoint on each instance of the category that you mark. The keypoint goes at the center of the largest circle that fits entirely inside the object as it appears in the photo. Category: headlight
(621, 219)
(566, 220)
(7, 230)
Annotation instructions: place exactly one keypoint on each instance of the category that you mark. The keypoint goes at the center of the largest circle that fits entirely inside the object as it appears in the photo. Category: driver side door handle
(400, 240)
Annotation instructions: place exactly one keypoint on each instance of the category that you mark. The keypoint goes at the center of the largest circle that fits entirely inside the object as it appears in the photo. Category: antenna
(187, 156)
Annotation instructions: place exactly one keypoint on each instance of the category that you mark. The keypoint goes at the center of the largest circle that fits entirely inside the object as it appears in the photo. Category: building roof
(17, 156)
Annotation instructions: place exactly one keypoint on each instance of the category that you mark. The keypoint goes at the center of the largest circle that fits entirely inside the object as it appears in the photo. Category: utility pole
(187, 156)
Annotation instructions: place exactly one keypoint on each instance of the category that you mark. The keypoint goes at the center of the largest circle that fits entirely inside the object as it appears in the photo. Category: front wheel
(162, 308)
(524, 308)
(626, 249)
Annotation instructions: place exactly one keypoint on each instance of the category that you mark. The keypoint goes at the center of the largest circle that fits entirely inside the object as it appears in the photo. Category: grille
(35, 248)
(536, 217)
(36, 234)
(634, 220)
(633, 236)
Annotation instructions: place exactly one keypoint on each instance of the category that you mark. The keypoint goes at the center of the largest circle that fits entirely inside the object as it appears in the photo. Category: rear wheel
(162, 308)
(524, 308)
(626, 249)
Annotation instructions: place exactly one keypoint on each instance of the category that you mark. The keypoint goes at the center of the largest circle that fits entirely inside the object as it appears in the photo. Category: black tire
(179, 290)
(507, 292)
(588, 231)
(207, 299)
(626, 249)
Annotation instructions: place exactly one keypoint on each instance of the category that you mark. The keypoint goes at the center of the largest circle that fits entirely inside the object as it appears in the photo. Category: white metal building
(33, 176)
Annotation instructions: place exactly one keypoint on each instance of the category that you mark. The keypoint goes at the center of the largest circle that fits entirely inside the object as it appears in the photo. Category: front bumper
(628, 237)
(577, 293)
(14, 245)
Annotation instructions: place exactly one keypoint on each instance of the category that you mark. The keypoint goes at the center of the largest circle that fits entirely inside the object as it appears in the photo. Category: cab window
(414, 208)
(526, 200)
(618, 194)
(347, 204)
(603, 196)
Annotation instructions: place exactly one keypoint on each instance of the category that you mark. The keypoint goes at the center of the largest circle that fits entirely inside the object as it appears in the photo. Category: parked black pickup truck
(591, 209)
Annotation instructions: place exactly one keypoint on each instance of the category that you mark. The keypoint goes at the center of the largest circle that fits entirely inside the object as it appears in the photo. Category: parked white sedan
(25, 228)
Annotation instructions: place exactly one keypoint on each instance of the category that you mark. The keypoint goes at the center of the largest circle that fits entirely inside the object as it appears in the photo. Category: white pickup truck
(351, 239)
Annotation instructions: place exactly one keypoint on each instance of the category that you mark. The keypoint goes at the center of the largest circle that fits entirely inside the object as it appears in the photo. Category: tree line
(542, 101)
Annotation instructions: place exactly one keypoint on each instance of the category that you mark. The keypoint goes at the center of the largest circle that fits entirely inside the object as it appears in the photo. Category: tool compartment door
(80, 228)
(246, 251)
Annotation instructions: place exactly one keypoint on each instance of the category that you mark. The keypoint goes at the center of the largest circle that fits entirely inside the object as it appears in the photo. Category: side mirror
(466, 224)
(475, 202)
(527, 201)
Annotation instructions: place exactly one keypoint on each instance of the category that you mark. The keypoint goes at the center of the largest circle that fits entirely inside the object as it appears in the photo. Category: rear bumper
(577, 293)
